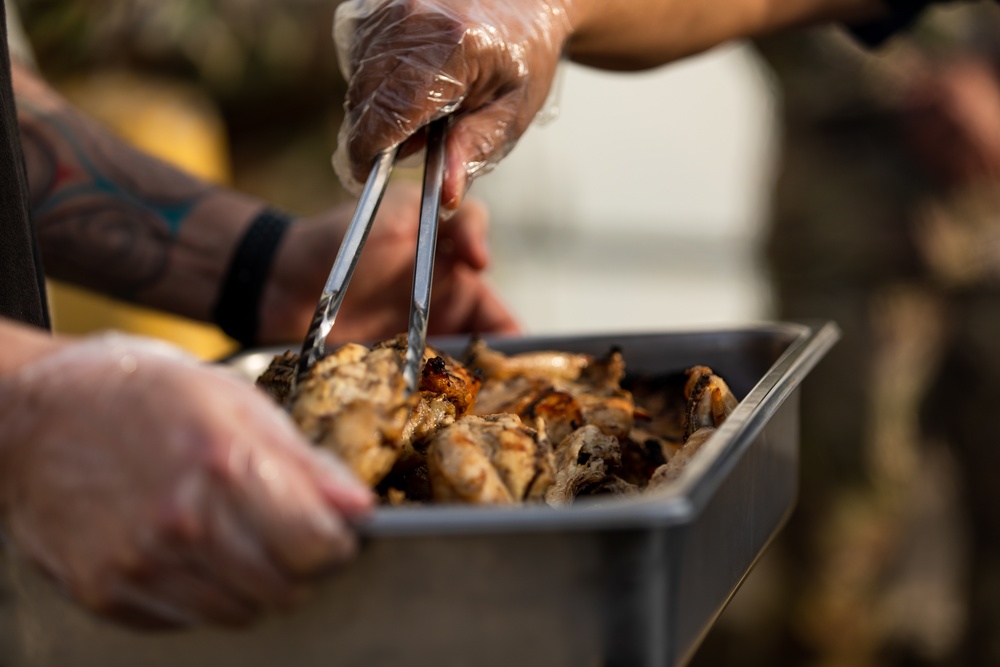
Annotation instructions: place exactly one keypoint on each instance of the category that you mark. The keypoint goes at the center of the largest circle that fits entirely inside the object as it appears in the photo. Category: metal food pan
(619, 582)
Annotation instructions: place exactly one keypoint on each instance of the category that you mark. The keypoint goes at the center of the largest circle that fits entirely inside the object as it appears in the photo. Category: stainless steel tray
(622, 582)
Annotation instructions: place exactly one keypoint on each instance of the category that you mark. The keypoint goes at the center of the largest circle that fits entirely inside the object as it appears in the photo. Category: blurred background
(791, 178)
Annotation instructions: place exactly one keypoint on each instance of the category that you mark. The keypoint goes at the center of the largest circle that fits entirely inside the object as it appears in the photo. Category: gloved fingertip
(342, 489)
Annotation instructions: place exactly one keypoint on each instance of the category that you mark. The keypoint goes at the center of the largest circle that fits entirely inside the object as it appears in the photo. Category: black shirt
(22, 284)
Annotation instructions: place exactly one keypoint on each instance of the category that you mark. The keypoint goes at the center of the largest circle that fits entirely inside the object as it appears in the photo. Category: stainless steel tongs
(354, 242)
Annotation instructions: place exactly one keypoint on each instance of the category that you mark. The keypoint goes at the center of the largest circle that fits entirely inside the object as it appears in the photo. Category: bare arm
(635, 34)
(118, 221)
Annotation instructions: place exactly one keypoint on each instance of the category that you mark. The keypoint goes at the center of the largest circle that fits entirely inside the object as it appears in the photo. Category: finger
(491, 315)
(340, 487)
(466, 304)
(284, 505)
(476, 142)
(234, 555)
(331, 476)
(464, 235)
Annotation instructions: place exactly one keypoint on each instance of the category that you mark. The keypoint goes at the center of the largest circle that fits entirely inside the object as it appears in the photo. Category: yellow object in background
(180, 125)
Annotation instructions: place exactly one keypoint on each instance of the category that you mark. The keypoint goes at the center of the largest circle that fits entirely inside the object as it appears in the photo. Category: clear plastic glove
(409, 62)
(164, 493)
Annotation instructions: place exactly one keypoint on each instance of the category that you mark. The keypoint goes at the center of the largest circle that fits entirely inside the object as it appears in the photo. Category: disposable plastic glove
(408, 62)
(161, 492)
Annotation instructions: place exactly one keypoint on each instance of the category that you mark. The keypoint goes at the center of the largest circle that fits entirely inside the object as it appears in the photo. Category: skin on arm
(637, 34)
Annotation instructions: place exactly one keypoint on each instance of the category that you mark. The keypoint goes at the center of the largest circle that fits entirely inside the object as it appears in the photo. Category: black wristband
(237, 310)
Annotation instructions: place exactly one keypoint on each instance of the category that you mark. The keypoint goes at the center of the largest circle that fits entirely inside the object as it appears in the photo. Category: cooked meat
(661, 407)
(584, 460)
(490, 460)
(613, 485)
(276, 381)
(672, 469)
(563, 390)
(611, 410)
(536, 402)
(505, 429)
(447, 391)
(544, 365)
(709, 400)
(642, 453)
(445, 377)
(353, 402)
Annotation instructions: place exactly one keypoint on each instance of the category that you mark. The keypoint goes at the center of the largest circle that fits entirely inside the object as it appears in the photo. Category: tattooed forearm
(119, 221)
(117, 248)
(106, 215)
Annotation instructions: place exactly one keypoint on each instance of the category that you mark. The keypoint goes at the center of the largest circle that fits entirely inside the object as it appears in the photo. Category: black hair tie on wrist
(237, 310)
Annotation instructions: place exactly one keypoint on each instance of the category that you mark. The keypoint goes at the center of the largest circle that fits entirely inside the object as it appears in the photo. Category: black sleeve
(22, 285)
(901, 14)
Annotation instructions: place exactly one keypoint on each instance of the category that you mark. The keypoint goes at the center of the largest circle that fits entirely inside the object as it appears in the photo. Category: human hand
(377, 304)
(409, 62)
(159, 492)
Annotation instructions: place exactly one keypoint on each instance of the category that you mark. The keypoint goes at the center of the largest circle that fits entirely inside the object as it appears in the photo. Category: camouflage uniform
(893, 556)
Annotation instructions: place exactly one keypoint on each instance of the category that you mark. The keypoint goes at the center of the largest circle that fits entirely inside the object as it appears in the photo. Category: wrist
(247, 278)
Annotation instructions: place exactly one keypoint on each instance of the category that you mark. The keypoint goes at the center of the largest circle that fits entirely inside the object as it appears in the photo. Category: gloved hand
(409, 62)
(160, 492)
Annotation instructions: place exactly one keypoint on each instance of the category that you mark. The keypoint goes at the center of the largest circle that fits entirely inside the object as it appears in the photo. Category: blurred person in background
(152, 488)
(886, 218)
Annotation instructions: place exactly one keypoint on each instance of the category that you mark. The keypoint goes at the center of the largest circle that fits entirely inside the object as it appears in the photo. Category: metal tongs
(354, 242)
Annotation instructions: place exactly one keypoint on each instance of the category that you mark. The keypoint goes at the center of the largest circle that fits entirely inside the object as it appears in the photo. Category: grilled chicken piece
(494, 460)
(353, 402)
(583, 461)
(564, 391)
(276, 380)
(534, 401)
(672, 469)
(709, 400)
(544, 365)
(613, 485)
(643, 452)
(661, 407)
(446, 392)
(613, 411)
